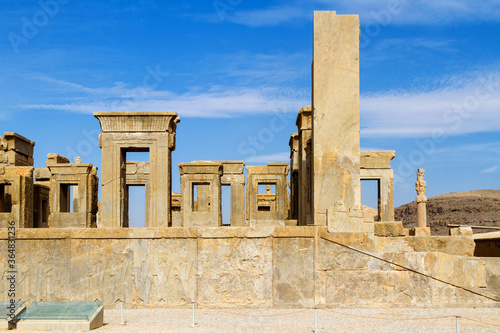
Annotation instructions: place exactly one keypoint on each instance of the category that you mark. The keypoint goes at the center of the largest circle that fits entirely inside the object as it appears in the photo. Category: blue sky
(238, 71)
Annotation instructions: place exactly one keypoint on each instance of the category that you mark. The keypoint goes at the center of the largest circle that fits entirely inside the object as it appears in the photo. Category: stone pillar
(232, 174)
(41, 206)
(421, 199)
(335, 128)
(304, 126)
(267, 209)
(124, 132)
(294, 176)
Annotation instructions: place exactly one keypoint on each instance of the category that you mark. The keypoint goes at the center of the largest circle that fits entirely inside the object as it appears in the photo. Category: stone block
(420, 231)
(293, 273)
(456, 245)
(389, 229)
(461, 231)
(235, 272)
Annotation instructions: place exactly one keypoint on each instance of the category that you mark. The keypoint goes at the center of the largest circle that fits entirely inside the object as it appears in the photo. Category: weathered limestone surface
(294, 176)
(293, 272)
(123, 132)
(232, 175)
(201, 193)
(335, 128)
(83, 178)
(389, 229)
(304, 126)
(16, 196)
(376, 165)
(41, 197)
(268, 208)
(256, 267)
(421, 199)
(235, 272)
(16, 150)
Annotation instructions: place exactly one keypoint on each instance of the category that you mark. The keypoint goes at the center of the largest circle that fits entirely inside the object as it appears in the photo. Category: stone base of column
(389, 229)
(420, 231)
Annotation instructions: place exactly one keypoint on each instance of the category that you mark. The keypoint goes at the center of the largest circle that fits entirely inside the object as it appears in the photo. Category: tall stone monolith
(335, 128)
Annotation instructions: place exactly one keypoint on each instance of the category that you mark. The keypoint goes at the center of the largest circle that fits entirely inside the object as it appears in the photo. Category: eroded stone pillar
(201, 194)
(232, 175)
(294, 176)
(421, 199)
(123, 132)
(335, 126)
(304, 126)
(41, 201)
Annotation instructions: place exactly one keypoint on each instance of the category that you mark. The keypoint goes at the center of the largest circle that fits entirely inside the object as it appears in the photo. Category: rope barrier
(412, 270)
(303, 310)
(368, 317)
(478, 321)
(263, 315)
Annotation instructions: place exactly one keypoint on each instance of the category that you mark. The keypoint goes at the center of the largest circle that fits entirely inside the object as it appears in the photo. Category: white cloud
(213, 104)
(232, 85)
(277, 157)
(400, 12)
(461, 105)
(493, 169)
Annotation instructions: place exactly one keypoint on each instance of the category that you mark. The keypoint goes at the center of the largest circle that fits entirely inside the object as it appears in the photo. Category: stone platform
(253, 267)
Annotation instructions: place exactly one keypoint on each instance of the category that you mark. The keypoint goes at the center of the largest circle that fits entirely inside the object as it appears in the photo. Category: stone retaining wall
(264, 267)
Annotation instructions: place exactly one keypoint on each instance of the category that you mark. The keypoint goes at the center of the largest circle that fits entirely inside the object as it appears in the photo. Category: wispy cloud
(400, 12)
(463, 104)
(215, 103)
(493, 169)
(277, 157)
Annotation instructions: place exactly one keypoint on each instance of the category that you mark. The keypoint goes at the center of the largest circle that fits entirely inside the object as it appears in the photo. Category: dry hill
(481, 208)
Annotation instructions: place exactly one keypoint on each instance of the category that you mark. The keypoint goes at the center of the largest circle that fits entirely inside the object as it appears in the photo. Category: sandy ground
(296, 320)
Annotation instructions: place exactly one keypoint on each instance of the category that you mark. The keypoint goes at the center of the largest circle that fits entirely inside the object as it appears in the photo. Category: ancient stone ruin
(301, 241)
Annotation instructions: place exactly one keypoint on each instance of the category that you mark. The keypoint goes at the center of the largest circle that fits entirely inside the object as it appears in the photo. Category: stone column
(304, 126)
(294, 176)
(232, 174)
(421, 199)
(335, 128)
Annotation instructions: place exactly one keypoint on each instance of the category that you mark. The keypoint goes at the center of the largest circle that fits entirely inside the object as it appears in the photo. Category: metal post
(121, 313)
(315, 320)
(458, 327)
(194, 322)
